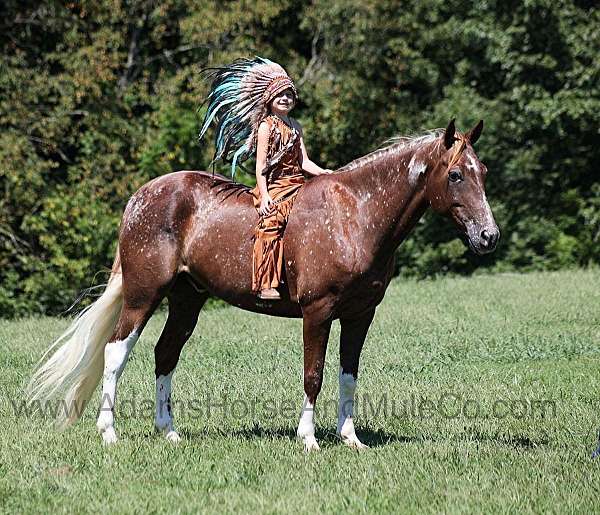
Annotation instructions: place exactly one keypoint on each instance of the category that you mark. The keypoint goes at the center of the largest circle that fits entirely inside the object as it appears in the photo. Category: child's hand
(266, 205)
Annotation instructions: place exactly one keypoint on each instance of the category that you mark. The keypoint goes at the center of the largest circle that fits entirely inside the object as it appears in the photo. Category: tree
(96, 98)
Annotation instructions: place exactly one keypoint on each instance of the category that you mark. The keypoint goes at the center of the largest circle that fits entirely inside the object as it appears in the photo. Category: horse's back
(200, 185)
(201, 224)
(179, 196)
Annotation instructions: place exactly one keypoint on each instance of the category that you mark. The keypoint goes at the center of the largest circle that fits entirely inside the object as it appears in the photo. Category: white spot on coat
(415, 169)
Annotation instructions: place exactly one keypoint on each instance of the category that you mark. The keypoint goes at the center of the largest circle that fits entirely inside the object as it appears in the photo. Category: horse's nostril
(489, 238)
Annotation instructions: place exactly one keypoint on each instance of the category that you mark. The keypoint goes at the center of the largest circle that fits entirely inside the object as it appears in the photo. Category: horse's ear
(449, 134)
(475, 132)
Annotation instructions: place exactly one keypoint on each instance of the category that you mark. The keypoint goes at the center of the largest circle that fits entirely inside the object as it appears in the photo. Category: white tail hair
(72, 373)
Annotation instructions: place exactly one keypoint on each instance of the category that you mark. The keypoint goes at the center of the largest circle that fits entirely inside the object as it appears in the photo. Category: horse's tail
(70, 376)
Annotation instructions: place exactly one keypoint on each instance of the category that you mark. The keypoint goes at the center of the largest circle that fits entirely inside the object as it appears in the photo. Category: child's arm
(307, 165)
(266, 203)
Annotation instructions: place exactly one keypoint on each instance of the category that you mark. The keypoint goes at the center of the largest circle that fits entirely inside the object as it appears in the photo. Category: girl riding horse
(250, 100)
(183, 237)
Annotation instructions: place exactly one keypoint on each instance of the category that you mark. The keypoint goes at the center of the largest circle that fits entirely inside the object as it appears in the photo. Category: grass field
(483, 396)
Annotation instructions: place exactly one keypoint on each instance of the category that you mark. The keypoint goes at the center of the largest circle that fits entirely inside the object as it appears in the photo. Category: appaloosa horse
(188, 235)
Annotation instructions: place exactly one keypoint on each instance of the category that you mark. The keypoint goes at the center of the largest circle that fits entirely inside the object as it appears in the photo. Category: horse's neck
(392, 193)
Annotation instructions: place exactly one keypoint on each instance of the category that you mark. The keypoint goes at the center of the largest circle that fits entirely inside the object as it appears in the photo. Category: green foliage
(96, 98)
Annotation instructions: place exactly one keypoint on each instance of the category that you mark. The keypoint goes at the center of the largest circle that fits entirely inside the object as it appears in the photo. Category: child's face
(284, 102)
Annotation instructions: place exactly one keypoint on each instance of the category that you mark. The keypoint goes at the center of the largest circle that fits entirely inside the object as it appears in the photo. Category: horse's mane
(392, 146)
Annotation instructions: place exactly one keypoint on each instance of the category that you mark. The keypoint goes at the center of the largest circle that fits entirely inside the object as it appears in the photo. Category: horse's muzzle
(485, 241)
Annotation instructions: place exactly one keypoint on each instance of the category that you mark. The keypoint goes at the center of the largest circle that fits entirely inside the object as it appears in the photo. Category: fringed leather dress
(284, 176)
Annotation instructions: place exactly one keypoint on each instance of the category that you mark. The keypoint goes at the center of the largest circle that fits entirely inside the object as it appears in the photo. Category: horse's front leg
(352, 338)
(317, 324)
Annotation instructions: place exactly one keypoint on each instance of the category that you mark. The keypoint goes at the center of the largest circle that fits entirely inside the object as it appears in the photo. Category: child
(251, 100)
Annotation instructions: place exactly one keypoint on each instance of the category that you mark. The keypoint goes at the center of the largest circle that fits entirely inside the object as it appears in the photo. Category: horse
(188, 235)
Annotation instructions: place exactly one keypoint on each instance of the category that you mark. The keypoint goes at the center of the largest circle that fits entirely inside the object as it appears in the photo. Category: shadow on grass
(520, 442)
(373, 438)
(369, 437)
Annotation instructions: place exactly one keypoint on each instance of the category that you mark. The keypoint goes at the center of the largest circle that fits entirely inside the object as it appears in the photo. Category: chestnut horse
(188, 235)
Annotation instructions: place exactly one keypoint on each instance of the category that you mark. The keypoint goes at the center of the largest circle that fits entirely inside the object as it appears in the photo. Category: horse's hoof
(109, 436)
(310, 444)
(355, 443)
(596, 453)
(173, 437)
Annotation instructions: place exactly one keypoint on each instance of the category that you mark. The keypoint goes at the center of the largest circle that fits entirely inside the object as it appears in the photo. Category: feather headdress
(238, 101)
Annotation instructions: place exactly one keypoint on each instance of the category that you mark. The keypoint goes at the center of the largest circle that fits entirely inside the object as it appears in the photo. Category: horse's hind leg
(129, 327)
(185, 303)
(142, 293)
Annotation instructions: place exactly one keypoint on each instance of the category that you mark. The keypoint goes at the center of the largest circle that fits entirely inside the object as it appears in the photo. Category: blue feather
(232, 104)
(240, 151)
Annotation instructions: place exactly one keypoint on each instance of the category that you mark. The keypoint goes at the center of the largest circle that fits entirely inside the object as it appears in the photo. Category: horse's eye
(455, 176)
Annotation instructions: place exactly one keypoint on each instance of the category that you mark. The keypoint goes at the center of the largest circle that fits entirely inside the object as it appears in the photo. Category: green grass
(523, 338)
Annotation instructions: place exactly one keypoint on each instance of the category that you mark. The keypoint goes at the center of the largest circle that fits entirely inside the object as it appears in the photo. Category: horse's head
(456, 188)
